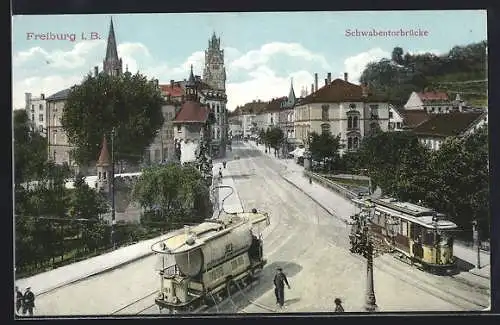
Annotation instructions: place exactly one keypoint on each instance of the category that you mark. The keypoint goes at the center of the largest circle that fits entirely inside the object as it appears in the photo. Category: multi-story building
(235, 127)
(433, 132)
(431, 102)
(59, 148)
(214, 75)
(342, 109)
(36, 109)
(286, 115)
(163, 147)
(189, 122)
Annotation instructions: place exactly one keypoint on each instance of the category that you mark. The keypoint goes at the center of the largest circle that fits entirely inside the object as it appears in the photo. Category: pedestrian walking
(19, 300)
(338, 306)
(224, 164)
(279, 286)
(220, 172)
(28, 302)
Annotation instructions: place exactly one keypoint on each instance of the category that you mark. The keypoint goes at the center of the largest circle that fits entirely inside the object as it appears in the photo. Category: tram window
(428, 237)
(404, 228)
(416, 231)
(445, 239)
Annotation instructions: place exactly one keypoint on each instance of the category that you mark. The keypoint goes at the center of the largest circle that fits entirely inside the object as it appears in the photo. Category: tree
(171, 192)
(397, 55)
(384, 155)
(30, 150)
(274, 137)
(85, 202)
(128, 103)
(459, 185)
(324, 147)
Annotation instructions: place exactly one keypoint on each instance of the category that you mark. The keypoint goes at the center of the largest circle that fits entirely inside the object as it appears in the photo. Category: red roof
(175, 91)
(341, 91)
(192, 112)
(433, 96)
(103, 160)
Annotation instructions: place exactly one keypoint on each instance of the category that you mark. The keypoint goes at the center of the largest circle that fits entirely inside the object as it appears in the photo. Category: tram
(418, 234)
(200, 266)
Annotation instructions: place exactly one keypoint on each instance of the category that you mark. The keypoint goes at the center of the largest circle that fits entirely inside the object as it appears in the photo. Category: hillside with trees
(462, 70)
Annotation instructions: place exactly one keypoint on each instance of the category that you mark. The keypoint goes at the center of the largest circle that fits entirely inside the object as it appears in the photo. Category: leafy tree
(397, 55)
(129, 103)
(274, 137)
(30, 149)
(459, 185)
(85, 202)
(171, 192)
(324, 147)
(384, 155)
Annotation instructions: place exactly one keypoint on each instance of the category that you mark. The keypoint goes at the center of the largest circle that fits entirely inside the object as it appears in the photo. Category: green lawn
(348, 182)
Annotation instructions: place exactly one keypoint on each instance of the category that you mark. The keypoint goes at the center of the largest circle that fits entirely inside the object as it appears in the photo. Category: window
(391, 125)
(40, 128)
(33, 117)
(32, 107)
(433, 109)
(40, 107)
(324, 113)
(425, 109)
(217, 109)
(100, 175)
(178, 128)
(355, 122)
(104, 175)
(404, 228)
(349, 143)
(439, 109)
(40, 117)
(398, 125)
(54, 155)
(349, 122)
(355, 143)
(55, 138)
(391, 114)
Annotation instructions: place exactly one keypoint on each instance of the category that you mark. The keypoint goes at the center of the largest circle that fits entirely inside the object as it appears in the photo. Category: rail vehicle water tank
(211, 246)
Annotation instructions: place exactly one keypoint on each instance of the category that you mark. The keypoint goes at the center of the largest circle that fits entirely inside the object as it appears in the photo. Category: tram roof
(206, 231)
(423, 220)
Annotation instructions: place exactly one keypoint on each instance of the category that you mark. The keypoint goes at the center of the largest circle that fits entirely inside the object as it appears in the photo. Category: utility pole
(361, 243)
(113, 219)
(477, 241)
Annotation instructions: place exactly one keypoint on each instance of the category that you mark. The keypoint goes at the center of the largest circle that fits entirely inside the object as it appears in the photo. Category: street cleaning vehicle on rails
(199, 266)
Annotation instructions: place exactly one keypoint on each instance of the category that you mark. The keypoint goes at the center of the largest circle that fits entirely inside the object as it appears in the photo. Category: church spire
(112, 63)
(191, 90)
(291, 95)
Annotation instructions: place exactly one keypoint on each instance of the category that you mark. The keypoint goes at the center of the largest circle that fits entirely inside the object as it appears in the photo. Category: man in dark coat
(19, 300)
(279, 286)
(28, 302)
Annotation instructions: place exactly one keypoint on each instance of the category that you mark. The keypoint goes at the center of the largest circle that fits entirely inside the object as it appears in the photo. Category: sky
(264, 52)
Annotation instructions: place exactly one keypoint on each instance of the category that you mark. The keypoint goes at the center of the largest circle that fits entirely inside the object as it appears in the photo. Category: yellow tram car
(420, 235)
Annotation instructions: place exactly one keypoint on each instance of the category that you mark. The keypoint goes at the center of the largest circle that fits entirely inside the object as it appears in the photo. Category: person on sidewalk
(19, 300)
(28, 302)
(220, 173)
(338, 306)
(279, 286)
(224, 164)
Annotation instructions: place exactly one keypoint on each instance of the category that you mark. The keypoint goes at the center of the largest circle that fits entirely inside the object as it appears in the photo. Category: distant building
(342, 109)
(433, 132)
(235, 127)
(430, 102)
(36, 109)
(163, 147)
(191, 118)
(59, 148)
(405, 119)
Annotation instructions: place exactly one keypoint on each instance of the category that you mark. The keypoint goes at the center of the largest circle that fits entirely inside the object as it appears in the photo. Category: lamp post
(477, 241)
(363, 245)
(113, 219)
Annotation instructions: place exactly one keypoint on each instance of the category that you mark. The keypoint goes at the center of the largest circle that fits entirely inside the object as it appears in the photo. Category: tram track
(131, 308)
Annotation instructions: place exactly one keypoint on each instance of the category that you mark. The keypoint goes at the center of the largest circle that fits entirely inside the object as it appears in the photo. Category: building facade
(438, 128)
(431, 102)
(36, 109)
(163, 146)
(342, 109)
(286, 115)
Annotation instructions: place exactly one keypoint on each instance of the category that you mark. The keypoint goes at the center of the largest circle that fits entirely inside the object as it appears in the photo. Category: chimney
(315, 82)
(42, 96)
(364, 90)
(326, 81)
(312, 88)
(96, 71)
(329, 77)
(171, 83)
(345, 76)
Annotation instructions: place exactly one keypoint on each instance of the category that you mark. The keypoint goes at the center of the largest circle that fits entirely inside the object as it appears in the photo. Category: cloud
(355, 65)
(261, 56)
(77, 57)
(251, 75)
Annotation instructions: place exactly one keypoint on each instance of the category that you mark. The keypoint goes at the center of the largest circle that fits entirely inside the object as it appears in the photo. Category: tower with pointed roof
(104, 168)
(214, 73)
(112, 64)
(191, 87)
(291, 99)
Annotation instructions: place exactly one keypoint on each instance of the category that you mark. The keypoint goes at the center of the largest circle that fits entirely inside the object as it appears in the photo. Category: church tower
(191, 89)
(112, 64)
(214, 73)
(104, 168)
(291, 99)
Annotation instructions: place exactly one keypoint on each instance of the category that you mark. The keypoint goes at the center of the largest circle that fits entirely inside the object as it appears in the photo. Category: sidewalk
(64, 275)
(343, 209)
